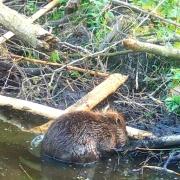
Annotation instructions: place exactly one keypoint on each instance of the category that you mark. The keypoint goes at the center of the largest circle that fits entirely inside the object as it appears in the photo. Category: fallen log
(33, 108)
(23, 28)
(151, 48)
(159, 142)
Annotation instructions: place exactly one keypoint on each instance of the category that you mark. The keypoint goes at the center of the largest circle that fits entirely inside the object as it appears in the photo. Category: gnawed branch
(159, 142)
(23, 28)
(151, 48)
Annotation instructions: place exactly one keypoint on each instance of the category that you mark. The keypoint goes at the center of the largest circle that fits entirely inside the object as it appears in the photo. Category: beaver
(84, 136)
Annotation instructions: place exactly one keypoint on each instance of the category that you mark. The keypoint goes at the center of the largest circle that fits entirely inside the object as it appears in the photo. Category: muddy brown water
(17, 162)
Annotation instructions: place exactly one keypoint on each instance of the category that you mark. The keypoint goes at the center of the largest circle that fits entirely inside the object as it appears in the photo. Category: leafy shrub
(173, 102)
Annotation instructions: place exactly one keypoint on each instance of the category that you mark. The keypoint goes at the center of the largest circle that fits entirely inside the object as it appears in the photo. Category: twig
(171, 158)
(96, 54)
(174, 38)
(76, 47)
(148, 15)
(161, 169)
(159, 87)
(151, 149)
(68, 67)
(155, 100)
(29, 177)
(118, 2)
(164, 168)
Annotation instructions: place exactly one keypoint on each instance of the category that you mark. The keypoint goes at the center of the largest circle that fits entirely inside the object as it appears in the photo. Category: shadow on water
(18, 163)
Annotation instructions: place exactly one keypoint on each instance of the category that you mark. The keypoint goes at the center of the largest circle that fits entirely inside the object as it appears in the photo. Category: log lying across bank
(33, 108)
(88, 102)
(161, 142)
(24, 29)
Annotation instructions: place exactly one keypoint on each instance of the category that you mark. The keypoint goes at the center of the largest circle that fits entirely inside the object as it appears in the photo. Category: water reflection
(18, 163)
(106, 169)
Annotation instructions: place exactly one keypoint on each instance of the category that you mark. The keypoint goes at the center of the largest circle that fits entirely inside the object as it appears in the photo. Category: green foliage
(173, 104)
(74, 74)
(97, 17)
(55, 56)
(31, 7)
(177, 45)
(175, 76)
(57, 14)
(169, 9)
(145, 4)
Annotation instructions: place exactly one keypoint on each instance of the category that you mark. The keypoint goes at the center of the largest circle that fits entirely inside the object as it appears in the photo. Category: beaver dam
(89, 90)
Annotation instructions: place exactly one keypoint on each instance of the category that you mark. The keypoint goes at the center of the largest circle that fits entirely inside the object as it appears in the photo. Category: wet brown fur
(84, 136)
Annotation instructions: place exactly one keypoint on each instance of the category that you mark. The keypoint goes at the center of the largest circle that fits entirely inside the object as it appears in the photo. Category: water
(18, 163)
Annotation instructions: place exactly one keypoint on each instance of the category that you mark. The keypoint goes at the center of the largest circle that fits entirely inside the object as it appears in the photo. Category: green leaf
(74, 74)
(173, 104)
(55, 57)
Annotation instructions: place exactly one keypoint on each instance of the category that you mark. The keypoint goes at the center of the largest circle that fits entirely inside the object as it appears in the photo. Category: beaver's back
(83, 136)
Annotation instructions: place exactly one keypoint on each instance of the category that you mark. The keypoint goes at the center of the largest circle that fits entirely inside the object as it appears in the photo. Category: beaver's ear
(122, 116)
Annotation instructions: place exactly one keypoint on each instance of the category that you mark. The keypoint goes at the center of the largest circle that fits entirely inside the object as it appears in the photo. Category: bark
(160, 142)
(99, 93)
(33, 108)
(151, 48)
(23, 28)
